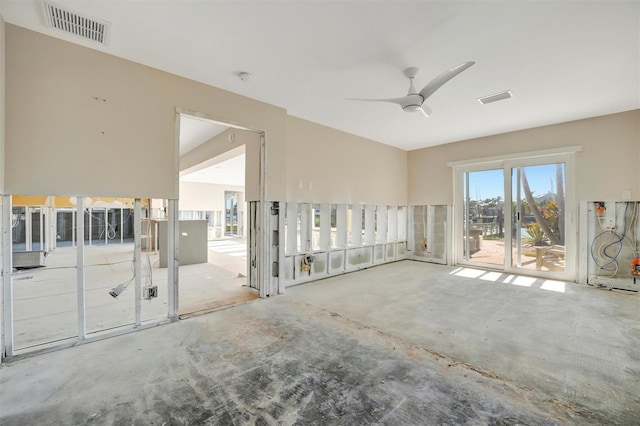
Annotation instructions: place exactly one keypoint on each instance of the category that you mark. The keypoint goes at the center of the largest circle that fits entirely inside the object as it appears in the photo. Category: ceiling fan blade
(425, 110)
(442, 78)
(400, 101)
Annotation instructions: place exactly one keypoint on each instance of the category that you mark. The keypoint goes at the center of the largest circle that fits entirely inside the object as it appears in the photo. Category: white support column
(7, 283)
(356, 225)
(82, 324)
(28, 229)
(137, 257)
(369, 224)
(172, 259)
(325, 227)
(381, 222)
(392, 223)
(341, 225)
(292, 228)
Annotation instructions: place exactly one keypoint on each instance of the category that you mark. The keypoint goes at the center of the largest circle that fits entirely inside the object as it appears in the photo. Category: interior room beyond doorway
(212, 192)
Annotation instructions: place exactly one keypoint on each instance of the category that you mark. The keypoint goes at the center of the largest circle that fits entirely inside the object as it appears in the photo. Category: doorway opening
(517, 216)
(218, 179)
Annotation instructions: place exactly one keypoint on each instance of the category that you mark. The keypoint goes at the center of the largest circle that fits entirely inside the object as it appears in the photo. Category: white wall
(60, 140)
(608, 164)
(206, 196)
(342, 168)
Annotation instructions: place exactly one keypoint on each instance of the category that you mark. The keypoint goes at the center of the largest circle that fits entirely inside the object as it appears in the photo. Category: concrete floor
(403, 343)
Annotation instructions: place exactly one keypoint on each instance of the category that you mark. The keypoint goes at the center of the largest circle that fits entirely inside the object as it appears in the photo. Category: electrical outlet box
(610, 215)
(149, 293)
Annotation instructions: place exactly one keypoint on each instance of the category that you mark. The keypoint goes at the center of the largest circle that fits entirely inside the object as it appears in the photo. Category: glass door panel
(538, 217)
(483, 206)
(231, 209)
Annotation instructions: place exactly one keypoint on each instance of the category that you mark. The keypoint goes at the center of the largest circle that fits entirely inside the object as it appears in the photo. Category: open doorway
(214, 159)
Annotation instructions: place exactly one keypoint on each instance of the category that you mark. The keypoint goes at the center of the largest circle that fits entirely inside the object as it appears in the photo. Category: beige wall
(204, 155)
(2, 130)
(206, 196)
(607, 165)
(60, 140)
(2, 102)
(342, 168)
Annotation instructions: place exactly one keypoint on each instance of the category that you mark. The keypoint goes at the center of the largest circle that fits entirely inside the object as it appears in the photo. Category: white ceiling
(227, 172)
(562, 60)
(194, 132)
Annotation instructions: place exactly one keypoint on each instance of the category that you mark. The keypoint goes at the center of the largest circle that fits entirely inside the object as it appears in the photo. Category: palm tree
(560, 199)
(536, 211)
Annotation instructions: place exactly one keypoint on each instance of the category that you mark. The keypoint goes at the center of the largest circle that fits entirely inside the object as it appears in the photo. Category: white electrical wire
(607, 263)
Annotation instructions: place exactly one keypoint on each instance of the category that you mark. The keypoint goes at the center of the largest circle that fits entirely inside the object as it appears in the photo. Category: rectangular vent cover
(96, 30)
(495, 97)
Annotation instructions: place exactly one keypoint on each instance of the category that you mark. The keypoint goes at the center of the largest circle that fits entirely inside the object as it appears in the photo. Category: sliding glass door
(538, 230)
(483, 218)
(516, 216)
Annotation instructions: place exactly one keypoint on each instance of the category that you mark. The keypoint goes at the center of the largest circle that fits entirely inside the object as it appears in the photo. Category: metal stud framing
(172, 259)
(82, 323)
(137, 256)
(7, 284)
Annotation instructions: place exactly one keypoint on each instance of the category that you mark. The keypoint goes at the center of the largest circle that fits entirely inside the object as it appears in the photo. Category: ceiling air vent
(77, 24)
(495, 97)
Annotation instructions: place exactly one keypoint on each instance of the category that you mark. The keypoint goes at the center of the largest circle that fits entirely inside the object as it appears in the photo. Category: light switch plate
(610, 218)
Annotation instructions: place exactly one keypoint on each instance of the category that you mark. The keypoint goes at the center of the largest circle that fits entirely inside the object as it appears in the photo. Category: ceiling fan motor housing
(412, 103)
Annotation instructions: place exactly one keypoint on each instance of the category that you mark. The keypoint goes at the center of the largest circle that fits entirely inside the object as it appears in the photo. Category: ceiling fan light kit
(414, 100)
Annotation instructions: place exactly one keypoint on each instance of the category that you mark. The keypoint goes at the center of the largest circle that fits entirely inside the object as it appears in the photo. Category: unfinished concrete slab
(404, 343)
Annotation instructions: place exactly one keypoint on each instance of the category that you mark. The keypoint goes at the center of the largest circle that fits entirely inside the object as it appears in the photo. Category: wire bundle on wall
(607, 246)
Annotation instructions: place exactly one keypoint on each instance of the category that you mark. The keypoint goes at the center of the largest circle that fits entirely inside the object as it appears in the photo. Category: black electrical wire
(613, 259)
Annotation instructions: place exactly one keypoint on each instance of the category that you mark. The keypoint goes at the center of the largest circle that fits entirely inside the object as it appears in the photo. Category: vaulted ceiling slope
(562, 60)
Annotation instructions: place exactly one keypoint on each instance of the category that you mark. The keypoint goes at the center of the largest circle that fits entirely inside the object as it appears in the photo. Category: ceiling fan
(414, 100)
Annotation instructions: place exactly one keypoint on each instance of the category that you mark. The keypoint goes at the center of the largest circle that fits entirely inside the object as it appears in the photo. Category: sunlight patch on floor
(518, 280)
(557, 286)
(491, 276)
(524, 281)
(468, 273)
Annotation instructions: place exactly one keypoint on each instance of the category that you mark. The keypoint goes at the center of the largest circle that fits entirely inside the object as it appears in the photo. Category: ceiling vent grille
(77, 24)
(495, 97)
